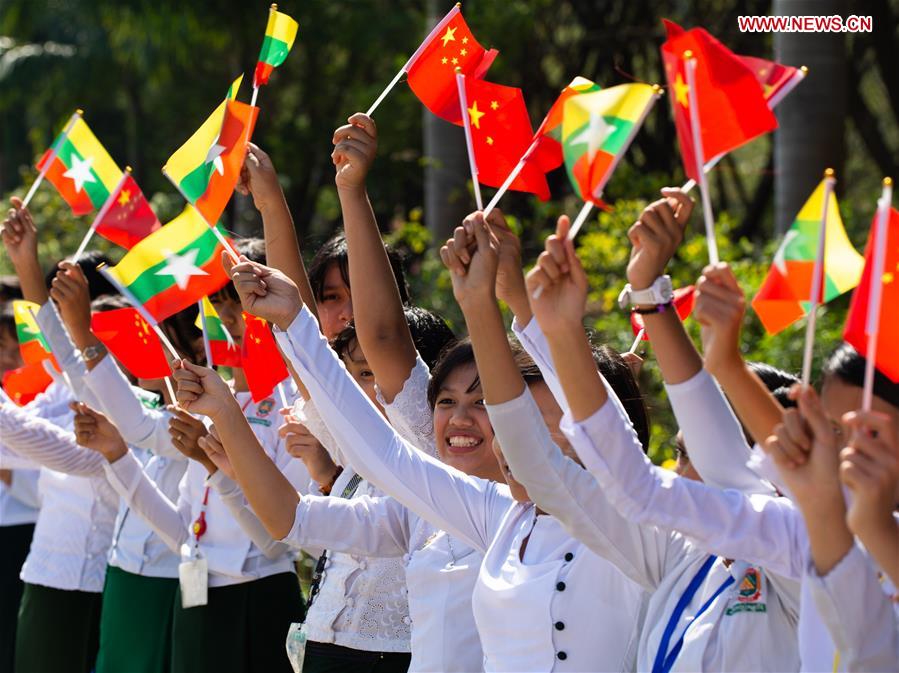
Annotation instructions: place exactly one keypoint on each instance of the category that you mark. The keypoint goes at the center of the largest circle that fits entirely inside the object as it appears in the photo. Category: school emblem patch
(265, 407)
(749, 591)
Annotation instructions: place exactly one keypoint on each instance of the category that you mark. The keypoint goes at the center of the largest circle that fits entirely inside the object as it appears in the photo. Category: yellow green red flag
(280, 33)
(786, 291)
(81, 170)
(173, 267)
(223, 350)
(597, 127)
(32, 344)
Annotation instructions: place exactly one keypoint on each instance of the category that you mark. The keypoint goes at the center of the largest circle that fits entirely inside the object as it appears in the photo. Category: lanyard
(664, 660)
(199, 525)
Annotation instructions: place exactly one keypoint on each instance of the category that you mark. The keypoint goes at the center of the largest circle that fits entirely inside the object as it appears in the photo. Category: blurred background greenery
(148, 72)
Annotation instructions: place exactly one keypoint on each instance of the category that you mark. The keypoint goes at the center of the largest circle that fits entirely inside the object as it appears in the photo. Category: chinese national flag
(431, 72)
(501, 132)
(25, 383)
(683, 304)
(887, 359)
(129, 218)
(132, 341)
(732, 105)
(261, 360)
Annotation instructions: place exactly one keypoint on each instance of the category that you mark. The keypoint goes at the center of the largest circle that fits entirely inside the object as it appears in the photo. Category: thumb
(16, 202)
(813, 413)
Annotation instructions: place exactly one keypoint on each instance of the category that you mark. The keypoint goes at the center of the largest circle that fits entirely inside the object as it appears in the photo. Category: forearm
(576, 369)
(754, 404)
(499, 376)
(268, 491)
(234, 500)
(282, 248)
(377, 307)
(881, 539)
(829, 537)
(677, 356)
(31, 279)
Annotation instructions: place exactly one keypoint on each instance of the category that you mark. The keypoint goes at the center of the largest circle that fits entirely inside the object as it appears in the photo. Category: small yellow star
(444, 60)
(124, 197)
(464, 40)
(680, 91)
(455, 60)
(475, 115)
(888, 278)
(494, 105)
(463, 52)
(449, 36)
(489, 140)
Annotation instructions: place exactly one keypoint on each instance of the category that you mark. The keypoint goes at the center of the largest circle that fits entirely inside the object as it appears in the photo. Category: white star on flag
(181, 267)
(780, 256)
(214, 156)
(595, 134)
(80, 172)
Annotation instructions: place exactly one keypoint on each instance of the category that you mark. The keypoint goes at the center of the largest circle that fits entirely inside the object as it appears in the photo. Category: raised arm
(467, 507)
(377, 307)
(727, 523)
(20, 238)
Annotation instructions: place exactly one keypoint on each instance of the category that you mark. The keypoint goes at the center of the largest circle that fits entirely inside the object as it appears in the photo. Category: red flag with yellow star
(887, 358)
(431, 72)
(260, 358)
(501, 133)
(732, 105)
(127, 217)
(132, 341)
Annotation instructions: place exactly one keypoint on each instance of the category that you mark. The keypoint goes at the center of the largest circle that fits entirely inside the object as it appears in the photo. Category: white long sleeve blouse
(515, 600)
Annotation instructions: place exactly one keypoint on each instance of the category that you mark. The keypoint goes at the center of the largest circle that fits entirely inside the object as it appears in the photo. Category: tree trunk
(812, 118)
(446, 161)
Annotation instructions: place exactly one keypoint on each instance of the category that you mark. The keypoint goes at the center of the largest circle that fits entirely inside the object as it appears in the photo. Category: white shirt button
(406, 558)
(350, 602)
(407, 620)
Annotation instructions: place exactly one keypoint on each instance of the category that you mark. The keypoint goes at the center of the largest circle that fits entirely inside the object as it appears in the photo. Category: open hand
(355, 148)
(186, 432)
(94, 431)
(300, 443)
(656, 236)
(211, 445)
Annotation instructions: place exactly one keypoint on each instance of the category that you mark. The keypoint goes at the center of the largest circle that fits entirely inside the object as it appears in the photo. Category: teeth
(462, 442)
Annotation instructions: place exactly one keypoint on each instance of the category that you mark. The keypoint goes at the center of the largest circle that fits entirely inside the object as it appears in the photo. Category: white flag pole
(65, 375)
(872, 323)
(817, 278)
(633, 348)
(466, 123)
(696, 131)
(797, 77)
(100, 215)
(510, 178)
(54, 152)
(396, 78)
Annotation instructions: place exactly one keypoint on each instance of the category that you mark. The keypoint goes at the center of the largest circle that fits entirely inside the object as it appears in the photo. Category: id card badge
(296, 646)
(194, 578)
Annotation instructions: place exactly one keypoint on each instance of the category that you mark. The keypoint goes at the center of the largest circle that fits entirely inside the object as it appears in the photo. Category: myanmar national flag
(82, 171)
(222, 348)
(887, 357)
(597, 128)
(548, 153)
(32, 344)
(173, 267)
(786, 291)
(280, 32)
(206, 168)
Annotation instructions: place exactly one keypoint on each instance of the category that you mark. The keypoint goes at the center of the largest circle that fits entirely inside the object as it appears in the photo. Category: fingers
(814, 415)
(792, 440)
(450, 260)
(366, 123)
(563, 226)
(681, 203)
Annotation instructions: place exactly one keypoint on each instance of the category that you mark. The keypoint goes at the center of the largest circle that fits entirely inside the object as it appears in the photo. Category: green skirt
(136, 623)
(58, 630)
(243, 628)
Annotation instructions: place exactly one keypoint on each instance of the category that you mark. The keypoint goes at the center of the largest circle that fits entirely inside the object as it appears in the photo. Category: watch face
(666, 289)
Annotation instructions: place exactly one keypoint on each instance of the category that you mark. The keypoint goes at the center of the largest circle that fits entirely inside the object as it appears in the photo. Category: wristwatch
(94, 352)
(660, 292)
